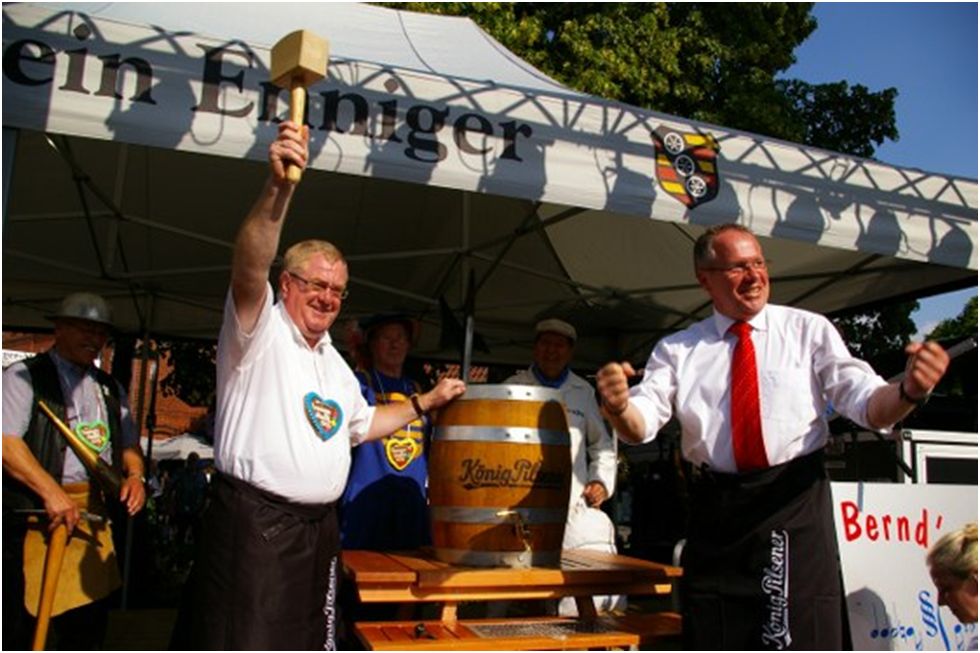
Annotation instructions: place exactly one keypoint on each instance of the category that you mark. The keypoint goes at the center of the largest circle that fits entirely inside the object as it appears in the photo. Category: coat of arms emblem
(687, 165)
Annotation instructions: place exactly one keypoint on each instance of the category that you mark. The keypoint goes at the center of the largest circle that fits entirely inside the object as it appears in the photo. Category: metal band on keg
(503, 435)
(494, 515)
(513, 392)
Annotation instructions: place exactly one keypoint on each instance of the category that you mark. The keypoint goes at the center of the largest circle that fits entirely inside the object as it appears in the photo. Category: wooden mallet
(299, 59)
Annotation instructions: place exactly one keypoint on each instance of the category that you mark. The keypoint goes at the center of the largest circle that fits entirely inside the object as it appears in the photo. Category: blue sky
(928, 51)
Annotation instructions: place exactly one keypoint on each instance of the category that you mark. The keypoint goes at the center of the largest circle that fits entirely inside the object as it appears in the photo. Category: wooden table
(414, 577)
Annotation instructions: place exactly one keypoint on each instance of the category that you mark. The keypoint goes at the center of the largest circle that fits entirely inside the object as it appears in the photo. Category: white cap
(560, 327)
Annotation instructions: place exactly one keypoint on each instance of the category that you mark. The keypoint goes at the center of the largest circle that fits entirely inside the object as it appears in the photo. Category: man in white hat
(593, 449)
(43, 475)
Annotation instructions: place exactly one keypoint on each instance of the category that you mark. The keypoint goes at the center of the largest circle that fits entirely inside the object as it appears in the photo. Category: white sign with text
(884, 532)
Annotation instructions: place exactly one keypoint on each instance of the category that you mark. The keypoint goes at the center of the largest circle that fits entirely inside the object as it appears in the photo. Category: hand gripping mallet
(299, 59)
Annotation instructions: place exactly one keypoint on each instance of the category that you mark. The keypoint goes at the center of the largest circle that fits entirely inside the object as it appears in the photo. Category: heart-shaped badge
(325, 415)
(400, 452)
(94, 435)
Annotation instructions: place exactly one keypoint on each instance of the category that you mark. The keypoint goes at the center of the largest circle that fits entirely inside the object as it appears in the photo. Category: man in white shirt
(760, 563)
(289, 410)
(593, 450)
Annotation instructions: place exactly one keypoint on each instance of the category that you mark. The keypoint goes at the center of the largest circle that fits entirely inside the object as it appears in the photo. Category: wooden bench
(414, 577)
(628, 631)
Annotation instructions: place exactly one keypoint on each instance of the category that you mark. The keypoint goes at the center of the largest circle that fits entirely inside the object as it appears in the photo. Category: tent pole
(141, 403)
(9, 154)
(467, 349)
(466, 289)
(151, 413)
(464, 263)
(470, 304)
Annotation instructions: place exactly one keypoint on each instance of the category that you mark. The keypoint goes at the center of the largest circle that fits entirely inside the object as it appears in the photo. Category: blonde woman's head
(952, 564)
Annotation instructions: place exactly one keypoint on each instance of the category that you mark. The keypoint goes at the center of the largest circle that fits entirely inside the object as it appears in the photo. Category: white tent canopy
(437, 156)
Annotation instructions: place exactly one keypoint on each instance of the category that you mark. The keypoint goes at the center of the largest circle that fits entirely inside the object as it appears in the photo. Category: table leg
(448, 612)
(586, 607)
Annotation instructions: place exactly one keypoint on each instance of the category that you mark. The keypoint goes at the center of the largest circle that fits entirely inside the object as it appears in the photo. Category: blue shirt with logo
(384, 506)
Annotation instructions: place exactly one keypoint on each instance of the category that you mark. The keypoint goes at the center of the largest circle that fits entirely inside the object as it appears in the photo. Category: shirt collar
(551, 383)
(759, 322)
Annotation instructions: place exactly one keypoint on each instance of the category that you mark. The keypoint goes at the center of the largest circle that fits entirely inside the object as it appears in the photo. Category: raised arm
(927, 364)
(612, 382)
(258, 238)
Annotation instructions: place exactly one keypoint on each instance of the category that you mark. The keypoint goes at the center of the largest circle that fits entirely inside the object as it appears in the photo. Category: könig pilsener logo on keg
(522, 473)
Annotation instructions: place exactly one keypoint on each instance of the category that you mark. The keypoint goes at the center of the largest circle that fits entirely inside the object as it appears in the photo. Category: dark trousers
(265, 575)
(760, 564)
(18, 625)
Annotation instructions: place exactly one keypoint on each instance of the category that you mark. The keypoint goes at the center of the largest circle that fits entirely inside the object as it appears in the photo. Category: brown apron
(89, 571)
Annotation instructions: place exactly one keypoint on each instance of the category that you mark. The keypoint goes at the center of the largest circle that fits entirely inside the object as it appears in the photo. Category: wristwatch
(918, 403)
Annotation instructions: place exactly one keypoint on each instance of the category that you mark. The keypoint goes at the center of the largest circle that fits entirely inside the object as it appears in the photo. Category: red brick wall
(173, 415)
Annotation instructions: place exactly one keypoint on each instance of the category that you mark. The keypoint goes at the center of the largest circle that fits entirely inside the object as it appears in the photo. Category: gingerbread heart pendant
(400, 452)
(325, 415)
(95, 435)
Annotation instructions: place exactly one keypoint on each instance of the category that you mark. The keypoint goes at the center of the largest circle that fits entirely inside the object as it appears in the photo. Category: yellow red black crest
(687, 164)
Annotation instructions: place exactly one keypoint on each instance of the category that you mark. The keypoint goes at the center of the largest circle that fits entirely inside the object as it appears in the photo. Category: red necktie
(750, 450)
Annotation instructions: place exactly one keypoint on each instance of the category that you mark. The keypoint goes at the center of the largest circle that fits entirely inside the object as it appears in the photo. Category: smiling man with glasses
(750, 386)
(289, 409)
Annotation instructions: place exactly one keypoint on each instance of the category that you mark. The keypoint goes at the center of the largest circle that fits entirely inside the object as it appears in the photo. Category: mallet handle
(49, 584)
(108, 478)
(297, 102)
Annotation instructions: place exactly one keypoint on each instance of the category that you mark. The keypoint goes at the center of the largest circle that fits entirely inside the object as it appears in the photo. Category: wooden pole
(49, 584)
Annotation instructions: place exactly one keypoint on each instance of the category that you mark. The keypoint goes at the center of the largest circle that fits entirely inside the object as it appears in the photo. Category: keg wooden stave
(499, 477)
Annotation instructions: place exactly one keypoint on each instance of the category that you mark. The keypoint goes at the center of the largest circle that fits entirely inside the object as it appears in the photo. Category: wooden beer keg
(499, 477)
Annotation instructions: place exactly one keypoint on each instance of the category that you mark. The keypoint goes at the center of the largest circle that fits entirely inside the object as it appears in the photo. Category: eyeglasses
(319, 287)
(741, 269)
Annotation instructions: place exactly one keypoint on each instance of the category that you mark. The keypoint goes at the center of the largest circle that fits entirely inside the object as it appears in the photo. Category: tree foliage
(710, 62)
(961, 326)
(859, 117)
(873, 334)
(192, 371)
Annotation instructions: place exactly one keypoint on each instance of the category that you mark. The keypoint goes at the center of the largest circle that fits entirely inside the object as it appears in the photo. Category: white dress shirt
(262, 433)
(803, 364)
